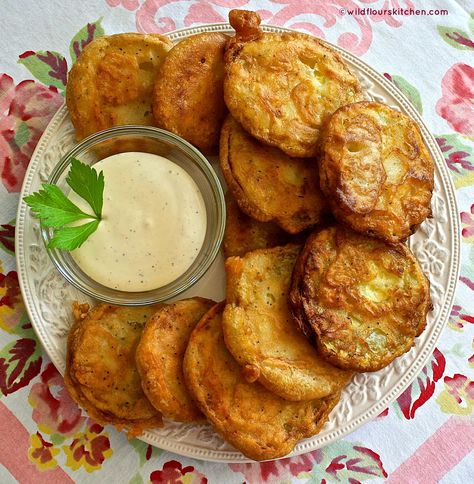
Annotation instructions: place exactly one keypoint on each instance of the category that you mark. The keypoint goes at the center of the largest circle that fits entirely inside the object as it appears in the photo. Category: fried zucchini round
(257, 422)
(268, 185)
(364, 301)
(244, 234)
(376, 171)
(112, 81)
(188, 98)
(261, 335)
(282, 87)
(101, 374)
(159, 358)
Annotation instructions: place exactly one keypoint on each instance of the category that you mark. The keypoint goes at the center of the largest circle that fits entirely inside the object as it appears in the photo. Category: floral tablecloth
(427, 435)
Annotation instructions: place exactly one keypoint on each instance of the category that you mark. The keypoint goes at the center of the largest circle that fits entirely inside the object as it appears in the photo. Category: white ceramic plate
(48, 296)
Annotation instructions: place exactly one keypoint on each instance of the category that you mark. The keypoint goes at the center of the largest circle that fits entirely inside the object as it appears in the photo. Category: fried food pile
(324, 188)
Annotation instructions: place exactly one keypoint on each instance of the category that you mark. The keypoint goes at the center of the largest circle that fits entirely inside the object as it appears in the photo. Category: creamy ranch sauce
(153, 223)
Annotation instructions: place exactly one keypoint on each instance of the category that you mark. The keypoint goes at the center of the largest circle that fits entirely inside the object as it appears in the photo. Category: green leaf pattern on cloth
(145, 451)
(410, 91)
(458, 38)
(48, 67)
(136, 479)
(51, 67)
(346, 461)
(459, 157)
(20, 361)
(84, 37)
(7, 237)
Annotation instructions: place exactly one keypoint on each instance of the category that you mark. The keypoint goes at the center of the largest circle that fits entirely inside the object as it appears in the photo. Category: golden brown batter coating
(261, 335)
(363, 300)
(159, 358)
(188, 97)
(244, 234)
(282, 87)
(269, 185)
(376, 171)
(112, 82)
(101, 375)
(257, 422)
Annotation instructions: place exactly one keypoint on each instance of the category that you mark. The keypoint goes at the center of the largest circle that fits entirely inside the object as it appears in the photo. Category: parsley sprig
(56, 211)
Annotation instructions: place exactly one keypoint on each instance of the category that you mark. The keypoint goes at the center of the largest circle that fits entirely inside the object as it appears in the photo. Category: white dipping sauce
(153, 223)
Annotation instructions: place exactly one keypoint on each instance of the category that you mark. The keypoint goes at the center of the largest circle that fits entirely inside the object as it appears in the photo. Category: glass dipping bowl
(144, 139)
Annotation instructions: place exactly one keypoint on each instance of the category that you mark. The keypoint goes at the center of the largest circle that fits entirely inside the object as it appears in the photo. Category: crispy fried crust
(363, 300)
(112, 81)
(281, 87)
(376, 171)
(159, 358)
(268, 184)
(188, 96)
(101, 375)
(260, 333)
(243, 233)
(257, 422)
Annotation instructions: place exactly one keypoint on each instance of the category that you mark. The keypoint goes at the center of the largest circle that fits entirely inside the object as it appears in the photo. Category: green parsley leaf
(70, 238)
(88, 184)
(53, 208)
(56, 211)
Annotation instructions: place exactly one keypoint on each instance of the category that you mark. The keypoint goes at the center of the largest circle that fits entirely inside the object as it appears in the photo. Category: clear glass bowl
(149, 140)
